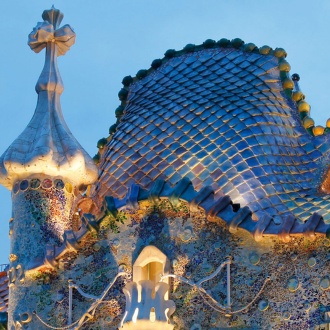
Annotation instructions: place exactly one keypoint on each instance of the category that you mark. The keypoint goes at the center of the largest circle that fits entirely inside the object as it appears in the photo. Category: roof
(223, 117)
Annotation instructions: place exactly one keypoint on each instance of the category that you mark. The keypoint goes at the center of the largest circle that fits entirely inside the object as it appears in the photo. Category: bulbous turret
(47, 146)
(44, 168)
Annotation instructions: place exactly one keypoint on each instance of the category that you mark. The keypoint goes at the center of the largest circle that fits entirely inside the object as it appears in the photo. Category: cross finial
(47, 146)
(57, 42)
(48, 31)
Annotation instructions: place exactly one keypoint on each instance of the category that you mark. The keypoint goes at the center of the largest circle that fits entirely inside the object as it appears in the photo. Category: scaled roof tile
(257, 150)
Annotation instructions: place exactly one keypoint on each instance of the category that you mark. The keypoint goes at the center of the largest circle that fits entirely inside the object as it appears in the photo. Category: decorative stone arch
(151, 264)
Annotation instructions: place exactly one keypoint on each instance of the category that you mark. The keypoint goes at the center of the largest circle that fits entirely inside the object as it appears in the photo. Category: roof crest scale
(47, 146)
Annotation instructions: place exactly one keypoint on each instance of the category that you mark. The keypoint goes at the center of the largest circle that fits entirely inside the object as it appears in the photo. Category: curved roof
(222, 117)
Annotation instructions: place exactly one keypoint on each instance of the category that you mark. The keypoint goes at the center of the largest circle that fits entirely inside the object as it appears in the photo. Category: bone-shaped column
(153, 311)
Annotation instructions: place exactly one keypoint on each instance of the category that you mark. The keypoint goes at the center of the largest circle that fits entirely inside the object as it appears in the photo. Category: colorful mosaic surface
(48, 202)
(221, 118)
(296, 297)
(42, 211)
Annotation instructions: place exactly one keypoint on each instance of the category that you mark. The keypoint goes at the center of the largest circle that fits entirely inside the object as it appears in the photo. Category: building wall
(296, 297)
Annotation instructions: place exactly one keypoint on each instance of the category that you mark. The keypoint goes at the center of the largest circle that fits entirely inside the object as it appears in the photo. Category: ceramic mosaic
(294, 297)
(42, 212)
(45, 205)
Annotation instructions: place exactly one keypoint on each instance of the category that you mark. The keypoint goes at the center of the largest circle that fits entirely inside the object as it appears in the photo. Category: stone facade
(273, 285)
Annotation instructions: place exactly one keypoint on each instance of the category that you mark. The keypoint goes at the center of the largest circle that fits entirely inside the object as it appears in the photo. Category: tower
(44, 168)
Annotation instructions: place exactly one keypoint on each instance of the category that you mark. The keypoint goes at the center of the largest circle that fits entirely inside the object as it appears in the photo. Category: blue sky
(118, 38)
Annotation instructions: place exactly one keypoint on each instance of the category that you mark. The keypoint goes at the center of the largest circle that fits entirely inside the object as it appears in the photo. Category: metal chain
(201, 291)
(221, 310)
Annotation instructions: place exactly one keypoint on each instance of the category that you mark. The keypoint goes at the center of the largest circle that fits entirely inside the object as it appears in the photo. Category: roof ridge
(289, 83)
